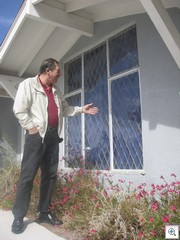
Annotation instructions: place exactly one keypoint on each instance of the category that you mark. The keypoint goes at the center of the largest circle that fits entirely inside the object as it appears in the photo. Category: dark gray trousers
(37, 155)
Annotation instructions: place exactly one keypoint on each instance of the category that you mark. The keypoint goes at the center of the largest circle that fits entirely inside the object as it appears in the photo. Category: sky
(8, 11)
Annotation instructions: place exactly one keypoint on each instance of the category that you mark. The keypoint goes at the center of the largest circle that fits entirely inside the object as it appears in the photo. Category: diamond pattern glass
(126, 115)
(123, 54)
(96, 92)
(73, 135)
(125, 104)
(73, 78)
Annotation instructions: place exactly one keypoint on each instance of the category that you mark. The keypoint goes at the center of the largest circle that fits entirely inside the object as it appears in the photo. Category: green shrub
(9, 172)
(8, 183)
(113, 213)
(7, 154)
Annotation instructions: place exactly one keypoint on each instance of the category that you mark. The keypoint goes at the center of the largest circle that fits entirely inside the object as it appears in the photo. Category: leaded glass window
(107, 76)
(126, 115)
(73, 72)
(96, 92)
(123, 54)
(73, 135)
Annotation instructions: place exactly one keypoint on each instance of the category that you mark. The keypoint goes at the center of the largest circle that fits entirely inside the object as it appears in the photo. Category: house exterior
(124, 57)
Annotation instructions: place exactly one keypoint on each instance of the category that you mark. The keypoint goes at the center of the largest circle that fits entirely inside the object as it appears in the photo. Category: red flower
(142, 220)
(165, 219)
(154, 206)
(173, 207)
(153, 233)
(65, 189)
(151, 219)
(92, 231)
(141, 234)
(76, 207)
(152, 192)
(99, 205)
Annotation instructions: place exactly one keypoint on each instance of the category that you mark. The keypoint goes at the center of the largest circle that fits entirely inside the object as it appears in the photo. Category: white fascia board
(9, 83)
(59, 18)
(34, 2)
(76, 5)
(20, 18)
(164, 26)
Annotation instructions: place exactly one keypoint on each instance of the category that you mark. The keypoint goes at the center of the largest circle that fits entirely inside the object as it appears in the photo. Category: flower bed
(86, 206)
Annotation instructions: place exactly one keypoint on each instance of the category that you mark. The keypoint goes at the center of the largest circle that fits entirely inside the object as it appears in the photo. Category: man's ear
(47, 70)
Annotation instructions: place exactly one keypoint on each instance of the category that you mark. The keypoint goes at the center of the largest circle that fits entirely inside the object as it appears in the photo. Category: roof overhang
(49, 28)
(9, 84)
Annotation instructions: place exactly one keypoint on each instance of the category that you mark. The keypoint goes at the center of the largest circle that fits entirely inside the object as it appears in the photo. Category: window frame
(81, 53)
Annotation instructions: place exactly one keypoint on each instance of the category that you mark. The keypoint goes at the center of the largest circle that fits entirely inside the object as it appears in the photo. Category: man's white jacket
(31, 102)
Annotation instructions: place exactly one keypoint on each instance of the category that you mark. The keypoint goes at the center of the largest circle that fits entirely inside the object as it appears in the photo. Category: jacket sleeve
(70, 110)
(22, 104)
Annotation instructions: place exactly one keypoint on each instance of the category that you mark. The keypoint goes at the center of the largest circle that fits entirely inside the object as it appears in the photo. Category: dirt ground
(62, 232)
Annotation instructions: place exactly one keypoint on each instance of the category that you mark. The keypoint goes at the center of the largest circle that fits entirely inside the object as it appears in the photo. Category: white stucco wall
(160, 87)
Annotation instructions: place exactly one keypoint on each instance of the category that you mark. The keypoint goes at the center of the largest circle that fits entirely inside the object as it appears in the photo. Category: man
(40, 109)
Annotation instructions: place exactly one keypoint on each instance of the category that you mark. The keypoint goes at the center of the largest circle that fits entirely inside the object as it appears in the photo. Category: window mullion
(83, 115)
(110, 109)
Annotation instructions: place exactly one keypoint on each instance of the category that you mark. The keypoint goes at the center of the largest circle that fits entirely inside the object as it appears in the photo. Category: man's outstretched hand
(90, 109)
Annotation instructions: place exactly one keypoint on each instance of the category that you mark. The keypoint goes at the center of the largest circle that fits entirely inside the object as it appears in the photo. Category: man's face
(53, 75)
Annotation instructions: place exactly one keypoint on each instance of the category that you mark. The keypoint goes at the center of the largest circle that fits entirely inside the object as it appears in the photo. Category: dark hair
(48, 63)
